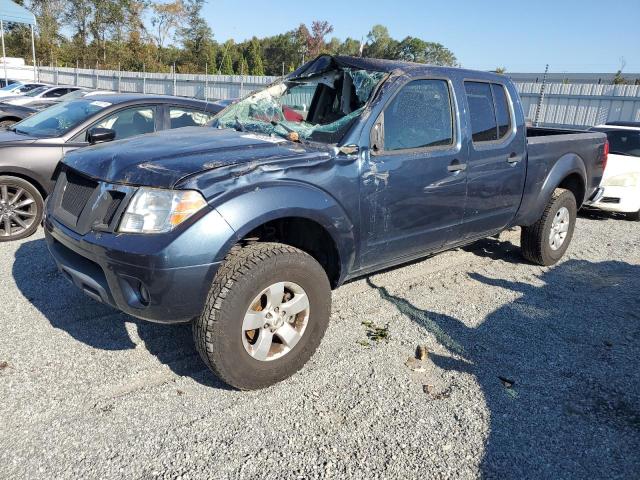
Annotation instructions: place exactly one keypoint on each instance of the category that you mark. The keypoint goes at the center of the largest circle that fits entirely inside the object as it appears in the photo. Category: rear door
(414, 181)
(496, 173)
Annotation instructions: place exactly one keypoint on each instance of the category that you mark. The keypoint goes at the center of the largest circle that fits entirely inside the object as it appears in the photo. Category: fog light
(144, 295)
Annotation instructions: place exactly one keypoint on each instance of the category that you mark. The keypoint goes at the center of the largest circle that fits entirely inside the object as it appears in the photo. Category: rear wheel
(6, 123)
(21, 207)
(266, 312)
(546, 241)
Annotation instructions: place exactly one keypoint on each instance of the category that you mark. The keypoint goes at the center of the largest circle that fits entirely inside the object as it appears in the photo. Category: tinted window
(186, 117)
(58, 92)
(130, 122)
(419, 116)
(624, 142)
(503, 116)
(483, 119)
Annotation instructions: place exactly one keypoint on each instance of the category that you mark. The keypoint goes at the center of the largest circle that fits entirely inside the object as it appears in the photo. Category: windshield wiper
(289, 130)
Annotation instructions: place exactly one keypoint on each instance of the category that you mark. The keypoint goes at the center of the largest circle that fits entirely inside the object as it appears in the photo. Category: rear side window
(503, 117)
(187, 117)
(488, 110)
(419, 116)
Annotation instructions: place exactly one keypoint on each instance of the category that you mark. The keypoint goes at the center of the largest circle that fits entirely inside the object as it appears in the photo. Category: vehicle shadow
(595, 214)
(98, 325)
(496, 249)
(570, 345)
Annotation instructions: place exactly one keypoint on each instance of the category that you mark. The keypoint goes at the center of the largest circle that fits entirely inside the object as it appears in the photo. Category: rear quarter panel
(550, 160)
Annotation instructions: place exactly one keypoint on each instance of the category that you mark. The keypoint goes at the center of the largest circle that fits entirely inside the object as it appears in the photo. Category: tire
(19, 217)
(634, 216)
(6, 123)
(535, 241)
(220, 335)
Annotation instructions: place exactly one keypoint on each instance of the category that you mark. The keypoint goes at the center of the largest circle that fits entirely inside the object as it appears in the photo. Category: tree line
(155, 36)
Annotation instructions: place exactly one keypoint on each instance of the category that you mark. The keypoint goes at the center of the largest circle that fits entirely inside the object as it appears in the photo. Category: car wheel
(546, 241)
(21, 207)
(266, 312)
(634, 216)
(7, 123)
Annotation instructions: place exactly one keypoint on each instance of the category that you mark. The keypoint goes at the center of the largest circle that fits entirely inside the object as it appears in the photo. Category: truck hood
(164, 158)
(9, 139)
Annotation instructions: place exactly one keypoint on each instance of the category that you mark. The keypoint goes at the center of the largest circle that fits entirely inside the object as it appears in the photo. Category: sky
(569, 35)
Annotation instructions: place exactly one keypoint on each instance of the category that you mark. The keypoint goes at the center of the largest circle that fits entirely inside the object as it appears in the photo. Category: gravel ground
(88, 392)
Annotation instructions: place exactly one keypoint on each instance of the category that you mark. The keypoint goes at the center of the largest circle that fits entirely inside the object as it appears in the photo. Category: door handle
(456, 166)
(513, 158)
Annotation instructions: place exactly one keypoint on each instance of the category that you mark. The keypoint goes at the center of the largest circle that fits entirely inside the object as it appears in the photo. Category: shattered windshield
(319, 108)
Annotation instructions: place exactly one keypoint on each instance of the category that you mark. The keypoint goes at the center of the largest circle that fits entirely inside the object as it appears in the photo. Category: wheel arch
(567, 172)
(27, 178)
(10, 118)
(301, 216)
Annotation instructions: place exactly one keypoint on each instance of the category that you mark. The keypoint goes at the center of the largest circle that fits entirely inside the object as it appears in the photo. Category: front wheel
(21, 208)
(266, 312)
(546, 241)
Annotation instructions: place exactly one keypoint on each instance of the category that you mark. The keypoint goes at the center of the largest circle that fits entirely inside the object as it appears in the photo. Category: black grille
(77, 193)
(610, 200)
(114, 203)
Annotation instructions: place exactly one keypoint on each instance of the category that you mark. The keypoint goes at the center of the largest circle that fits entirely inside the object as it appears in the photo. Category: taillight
(605, 154)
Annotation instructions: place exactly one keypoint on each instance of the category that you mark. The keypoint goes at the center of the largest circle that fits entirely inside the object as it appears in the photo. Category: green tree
(619, 79)
(255, 58)
(107, 21)
(197, 37)
(227, 64)
(77, 16)
(379, 43)
(166, 19)
(413, 49)
(349, 47)
(243, 66)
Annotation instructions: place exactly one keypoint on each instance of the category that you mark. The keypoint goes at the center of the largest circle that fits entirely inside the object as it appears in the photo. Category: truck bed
(549, 147)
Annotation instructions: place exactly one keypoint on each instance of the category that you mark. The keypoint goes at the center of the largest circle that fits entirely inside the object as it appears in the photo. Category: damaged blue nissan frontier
(342, 168)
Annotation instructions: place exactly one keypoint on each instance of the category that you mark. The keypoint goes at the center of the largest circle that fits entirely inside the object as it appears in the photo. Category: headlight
(152, 210)
(628, 180)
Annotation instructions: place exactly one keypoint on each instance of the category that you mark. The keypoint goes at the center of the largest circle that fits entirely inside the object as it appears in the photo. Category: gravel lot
(88, 392)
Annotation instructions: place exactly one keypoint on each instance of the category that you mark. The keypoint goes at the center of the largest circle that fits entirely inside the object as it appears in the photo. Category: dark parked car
(10, 114)
(31, 149)
(245, 227)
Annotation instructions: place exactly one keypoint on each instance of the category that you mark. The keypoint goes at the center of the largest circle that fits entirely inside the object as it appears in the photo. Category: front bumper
(619, 199)
(157, 279)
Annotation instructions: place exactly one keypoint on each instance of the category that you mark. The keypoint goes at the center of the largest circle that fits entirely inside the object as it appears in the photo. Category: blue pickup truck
(345, 167)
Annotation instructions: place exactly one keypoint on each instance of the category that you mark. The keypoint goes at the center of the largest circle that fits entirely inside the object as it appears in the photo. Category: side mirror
(100, 135)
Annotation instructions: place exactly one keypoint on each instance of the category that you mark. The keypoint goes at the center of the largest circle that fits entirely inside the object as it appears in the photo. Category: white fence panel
(575, 105)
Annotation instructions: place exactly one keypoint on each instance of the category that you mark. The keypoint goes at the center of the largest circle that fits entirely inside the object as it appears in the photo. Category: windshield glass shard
(319, 108)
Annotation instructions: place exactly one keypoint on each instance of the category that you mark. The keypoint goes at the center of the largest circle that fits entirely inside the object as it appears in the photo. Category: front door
(414, 177)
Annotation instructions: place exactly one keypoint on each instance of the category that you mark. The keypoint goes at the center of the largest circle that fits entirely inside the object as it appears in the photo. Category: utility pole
(536, 120)
(174, 79)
